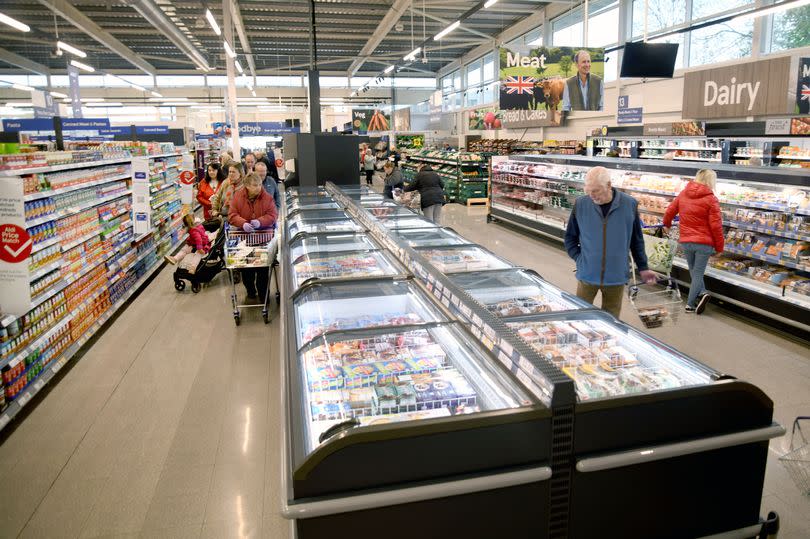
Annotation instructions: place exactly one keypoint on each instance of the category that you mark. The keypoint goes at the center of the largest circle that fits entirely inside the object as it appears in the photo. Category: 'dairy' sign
(749, 89)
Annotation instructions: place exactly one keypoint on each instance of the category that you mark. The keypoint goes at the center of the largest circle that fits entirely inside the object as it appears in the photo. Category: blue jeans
(697, 256)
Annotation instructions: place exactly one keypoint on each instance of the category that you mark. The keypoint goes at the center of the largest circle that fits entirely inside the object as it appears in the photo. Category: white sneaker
(170, 259)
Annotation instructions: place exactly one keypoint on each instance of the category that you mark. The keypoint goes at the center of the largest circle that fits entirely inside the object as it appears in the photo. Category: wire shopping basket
(797, 460)
(657, 304)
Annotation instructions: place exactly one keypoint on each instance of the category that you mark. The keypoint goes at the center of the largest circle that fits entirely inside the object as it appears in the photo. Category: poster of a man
(585, 90)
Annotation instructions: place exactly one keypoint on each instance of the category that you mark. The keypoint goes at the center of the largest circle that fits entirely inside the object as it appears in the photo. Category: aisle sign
(73, 80)
(85, 124)
(141, 209)
(116, 130)
(629, 110)
(37, 124)
(778, 126)
(152, 129)
(15, 248)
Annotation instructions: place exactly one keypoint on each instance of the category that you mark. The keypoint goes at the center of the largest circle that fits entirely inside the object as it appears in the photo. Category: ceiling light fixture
(14, 23)
(58, 94)
(213, 22)
(253, 92)
(412, 55)
(777, 8)
(490, 3)
(22, 87)
(389, 69)
(446, 31)
(83, 67)
(238, 66)
(228, 49)
(71, 49)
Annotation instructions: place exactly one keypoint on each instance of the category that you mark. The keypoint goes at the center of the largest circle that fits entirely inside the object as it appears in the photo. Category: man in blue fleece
(604, 225)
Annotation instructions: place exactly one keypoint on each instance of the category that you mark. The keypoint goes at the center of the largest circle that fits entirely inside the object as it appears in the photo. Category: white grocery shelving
(67, 166)
(45, 270)
(47, 243)
(77, 187)
(75, 243)
(768, 231)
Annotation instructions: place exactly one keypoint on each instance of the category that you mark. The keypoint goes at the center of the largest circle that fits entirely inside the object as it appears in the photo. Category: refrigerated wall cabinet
(435, 389)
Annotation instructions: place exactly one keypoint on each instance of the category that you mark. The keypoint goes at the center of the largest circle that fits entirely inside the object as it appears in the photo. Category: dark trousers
(369, 176)
(255, 281)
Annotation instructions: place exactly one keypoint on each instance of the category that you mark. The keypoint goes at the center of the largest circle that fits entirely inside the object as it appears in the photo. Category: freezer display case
(357, 305)
(390, 211)
(428, 237)
(298, 224)
(315, 244)
(454, 259)
(309, 204)
(516, 292)
(377, 203)
(343, 265)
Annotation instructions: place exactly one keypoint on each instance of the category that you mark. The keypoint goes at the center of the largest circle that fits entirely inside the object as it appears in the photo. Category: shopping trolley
(797, 460)
(657, 304)
(250, 250)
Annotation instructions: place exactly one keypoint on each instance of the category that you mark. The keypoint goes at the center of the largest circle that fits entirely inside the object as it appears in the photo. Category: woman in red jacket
(701, 227)
(208, 187)
(251, 209)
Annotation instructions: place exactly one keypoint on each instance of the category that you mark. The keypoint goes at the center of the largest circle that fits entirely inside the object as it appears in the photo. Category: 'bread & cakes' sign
(749, 89)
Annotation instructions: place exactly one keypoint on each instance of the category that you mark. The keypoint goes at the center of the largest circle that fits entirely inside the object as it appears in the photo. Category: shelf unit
(749, 198)
(92, 277)
(452, 167)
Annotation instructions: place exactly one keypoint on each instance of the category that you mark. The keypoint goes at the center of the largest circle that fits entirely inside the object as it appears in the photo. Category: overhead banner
(486, 118)
(402, 119)
(85, 124)
(630, 110)
(265, 129)
(28, 125)
(73, 81)
(516, 119)
(675, 129)
(370, 120)
(803, 87)
(152, 129)
(552, 79)
(116, 130)
(749, 89)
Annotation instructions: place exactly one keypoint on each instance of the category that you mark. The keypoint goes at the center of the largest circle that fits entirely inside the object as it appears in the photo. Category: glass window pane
(333, 82)
(611, 66)
(489, 67)
(569, 36)
(791, 29)
(703, 8)
(603, 26)
(457, 80)
(415, 82)
(534, 38)
(177, 81)
(91, 81)
(660, 14)
(721, 42)
(15, 79)
(217, 81)
(60, 81)
(36, 80)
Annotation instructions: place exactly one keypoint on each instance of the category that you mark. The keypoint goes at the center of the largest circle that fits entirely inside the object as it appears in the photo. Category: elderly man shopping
(603, 227)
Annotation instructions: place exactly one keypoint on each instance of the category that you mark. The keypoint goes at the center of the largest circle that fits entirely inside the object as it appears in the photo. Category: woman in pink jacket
(251, 209)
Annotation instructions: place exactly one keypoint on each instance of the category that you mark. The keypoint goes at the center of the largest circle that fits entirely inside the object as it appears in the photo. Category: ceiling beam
(446, 22)
(391, 18)
(79, 20)
(24, 63)
(236, 14)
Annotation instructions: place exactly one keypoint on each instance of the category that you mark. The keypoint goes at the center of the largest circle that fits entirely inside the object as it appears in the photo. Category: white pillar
(231, 102)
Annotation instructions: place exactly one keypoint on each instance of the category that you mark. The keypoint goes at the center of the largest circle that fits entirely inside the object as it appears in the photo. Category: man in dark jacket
(268, 182)
(603, 226)
(431, 190)
(393, 179)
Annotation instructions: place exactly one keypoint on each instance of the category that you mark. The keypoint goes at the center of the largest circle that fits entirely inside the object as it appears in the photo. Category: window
(791, 29)
(415, 82)
(178, 81)
(603, 23)
(704, 8)
(532, 38)
(679, 39)
(566, 31)
(660, 14)
(489, 66)
(474, 73)
(91, 81)
(286, 81)
(721, 42)
(333, 82)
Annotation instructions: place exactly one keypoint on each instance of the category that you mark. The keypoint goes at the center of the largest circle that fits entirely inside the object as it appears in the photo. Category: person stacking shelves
(252, 208)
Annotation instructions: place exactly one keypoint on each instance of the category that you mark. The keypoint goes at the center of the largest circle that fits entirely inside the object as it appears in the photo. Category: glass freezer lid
(429, 237)
(389, 375)
(341, 306)
(516, 292)
(377, 203)
(407, 222)
(319, 215)
(294, 226)
(608, 359)
(463, 258)
(313, 204)
(390, 211)
(351, 265)
(329, 243)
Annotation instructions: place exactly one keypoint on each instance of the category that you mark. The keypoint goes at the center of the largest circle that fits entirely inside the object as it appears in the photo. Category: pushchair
(207, 268)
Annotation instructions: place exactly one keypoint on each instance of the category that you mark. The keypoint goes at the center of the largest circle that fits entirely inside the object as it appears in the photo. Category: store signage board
(152, 129)
(485, 118)
(748, 89)
(26, 125)
(116, 130)
(265, 129)
(514, 119)
(779, 126)
(629, 110)
(15, 248)
(675, 129)
(75, 99)
(85, 124)
(371, 120)
(141, 208)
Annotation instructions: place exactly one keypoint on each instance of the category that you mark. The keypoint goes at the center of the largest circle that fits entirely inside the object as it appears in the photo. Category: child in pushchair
(201, 269)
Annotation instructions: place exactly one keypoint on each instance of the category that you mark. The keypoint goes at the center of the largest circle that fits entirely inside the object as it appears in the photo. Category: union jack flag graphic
(805, 92)
(520, 85)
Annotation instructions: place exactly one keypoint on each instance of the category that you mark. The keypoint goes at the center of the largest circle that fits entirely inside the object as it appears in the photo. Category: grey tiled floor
(170, 427)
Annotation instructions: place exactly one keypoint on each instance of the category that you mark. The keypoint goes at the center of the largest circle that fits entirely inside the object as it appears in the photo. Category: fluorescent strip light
(213, 22)
(412, 54)
(389, 69)
(71, 49)
(253, 92)
(228, 49)
(58, 94)
(238, 66)
(83, 67)
(490, 3)
(22, 87)
(156, 94)
(784, 6)
(19, 105)
(103, 104)
(14, 23)
(446, 31)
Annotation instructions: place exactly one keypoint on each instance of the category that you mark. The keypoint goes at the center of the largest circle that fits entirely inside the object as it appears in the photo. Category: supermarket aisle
(168, 426)
(779, 366)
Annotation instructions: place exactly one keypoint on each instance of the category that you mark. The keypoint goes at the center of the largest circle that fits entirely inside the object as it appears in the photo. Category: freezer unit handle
(400, 496)
(649, 454)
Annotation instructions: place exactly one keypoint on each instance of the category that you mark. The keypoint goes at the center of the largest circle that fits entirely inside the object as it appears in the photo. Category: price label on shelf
(23, 399)
(504, 359)
(446, 301)
(506, 347)
(4, 420)
(39, 384)
(525, 364)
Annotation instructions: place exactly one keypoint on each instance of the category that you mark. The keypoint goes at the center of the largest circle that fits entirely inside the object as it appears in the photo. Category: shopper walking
(701, 234)
(249, 162)
(268, 183)
(431, 191)
(196, 242)
(208, 187)
(393, 180)
(222, 200)
(253, 209)
(604, 225)
(368, 166)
